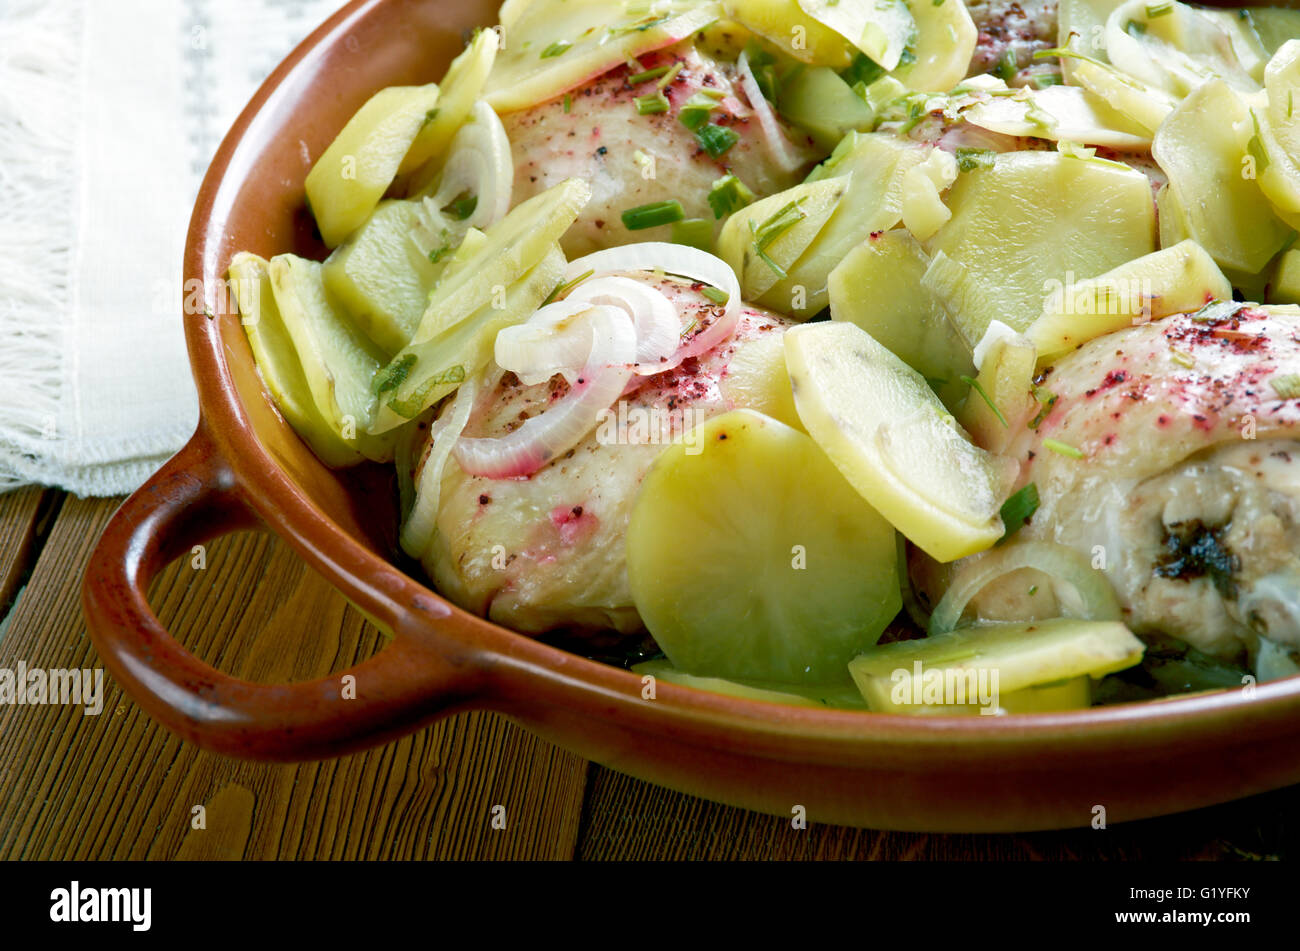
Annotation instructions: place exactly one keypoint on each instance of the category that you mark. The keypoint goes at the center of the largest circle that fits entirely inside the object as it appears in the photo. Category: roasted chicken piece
(597, 134)
(547, 551)
(1171, 460)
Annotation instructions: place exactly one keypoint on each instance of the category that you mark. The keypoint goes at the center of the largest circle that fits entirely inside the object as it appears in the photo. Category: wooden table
(119, 786)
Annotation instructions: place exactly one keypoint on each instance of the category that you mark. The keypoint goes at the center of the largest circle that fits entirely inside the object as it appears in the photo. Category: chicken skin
(1187, 492)
(547, 551)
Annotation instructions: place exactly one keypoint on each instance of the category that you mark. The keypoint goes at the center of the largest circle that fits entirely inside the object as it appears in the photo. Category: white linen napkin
(110, 112)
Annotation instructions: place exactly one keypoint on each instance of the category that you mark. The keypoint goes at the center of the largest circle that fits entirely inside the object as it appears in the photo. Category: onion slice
(783, 151)
(553, 340)
(1083, 591)
(418, 528)
(478, 162)
(562, 426)
(658, 327)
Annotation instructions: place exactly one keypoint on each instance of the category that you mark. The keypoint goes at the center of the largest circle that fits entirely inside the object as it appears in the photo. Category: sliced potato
(818, 101)
(762, 241)
(878, 287)
(381, 278)
(798, 35)
(349, 179)
(1174, 280)
(882, 29)
(423, 372)
(461, 88)
(1203, 148)
(757, 379)
(789, 574)
(950, 669)
(846, 697)
(889, 435)
(1285, 287)
(1060, 113)
(338, 361)
(1005, 381)
(924, 212)
(1081, 24)
(1273, 25)
(278, 362)
(552, 46)
(1032, 218)
(512, 246)
(1144, 104)
(945, 42)
(1177, 49)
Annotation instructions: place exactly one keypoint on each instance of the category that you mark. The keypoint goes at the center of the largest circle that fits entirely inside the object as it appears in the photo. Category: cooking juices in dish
(899, 356)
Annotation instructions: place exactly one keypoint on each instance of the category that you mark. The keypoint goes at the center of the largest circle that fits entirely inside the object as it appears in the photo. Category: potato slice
(1177, 49)
(762, 241)
(1285, 287)
(1031, 218)
(461, 88)
(945, 42)
(551, 46)
(934, 673)
(1060, 113)
(757, 379)
(788, 573)
(278, 363)
(423, 372)
(1174, 280)
(876, 165)
(882, 28)
(351, 176)
(798, 35)
(381, 278)
(1144, 104)
(889, 435)
(1203, 148)
(338, 362)
(878, 287)
(1081, 24)
(818, 101)
(1005, 381)
(846, 697)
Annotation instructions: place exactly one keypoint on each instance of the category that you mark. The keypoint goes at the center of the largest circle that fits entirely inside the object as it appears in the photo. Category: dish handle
(192, 499)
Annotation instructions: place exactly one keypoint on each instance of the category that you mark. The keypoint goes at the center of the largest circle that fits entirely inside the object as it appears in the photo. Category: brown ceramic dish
(245, 467)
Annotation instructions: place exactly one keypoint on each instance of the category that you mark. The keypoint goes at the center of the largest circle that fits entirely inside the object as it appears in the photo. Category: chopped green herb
(715, 294)
(566, 287)
(462, 208)
(727, 194)
(1043, 80)
(971, 159)
(975, 385)
(568, 103)
(652, 215)
(695, 111)
(694, 232)
(937, 3)
(1217, 311)
(429, 117)
(1044, 120)
(1135, 28)
(771, 229)
(1033, 590)
(1256, 146)
(1046, 399)
(555, 49)
(716, 139)
(669, 76)
(906, 58)
(651, 104)
(1287, 387)
(1007, 66)
(1159, 9)
(646, 76)
(393, 375)
(1062, 448)
(1182, 359)
(639, 27)
(1018, 509)
(863, 70)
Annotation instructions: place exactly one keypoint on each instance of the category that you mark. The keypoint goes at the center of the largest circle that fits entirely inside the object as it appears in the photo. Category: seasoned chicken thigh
(1187, 489)
(597, 134)
(547, 551)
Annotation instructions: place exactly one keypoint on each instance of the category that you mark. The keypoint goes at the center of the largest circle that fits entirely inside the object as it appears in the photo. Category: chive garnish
(568, 102)
(773, 228)
(648, 75)
(727, 194)
(652, 215)
(555, 49)
(1007, 66)
(1062, 448)
(1287, 387)
(695, 111)
(975, 385)
(716, 139)
(715, 294)
(1217, 311)
(462, 208)
(651, 104)
(969, 159)
(694, 232)
(1159, 10)
(566, 287)
(393, 375)
(1017, 509)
